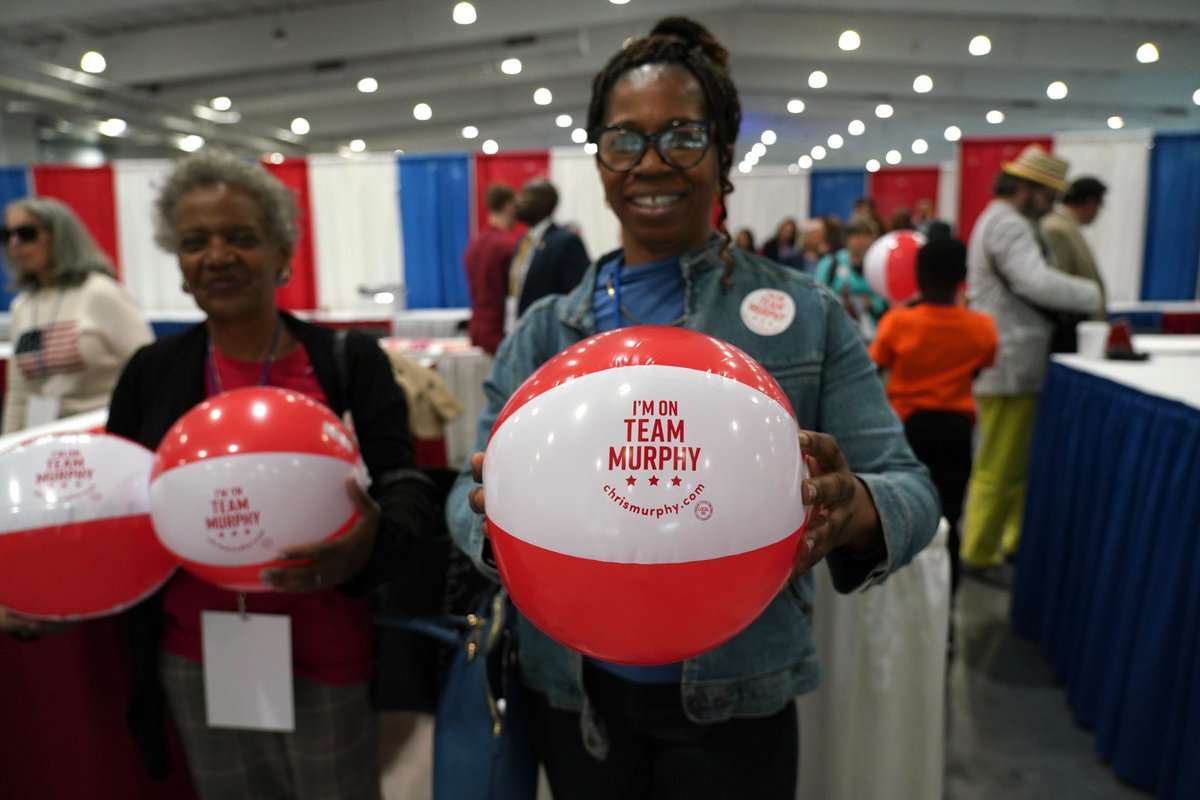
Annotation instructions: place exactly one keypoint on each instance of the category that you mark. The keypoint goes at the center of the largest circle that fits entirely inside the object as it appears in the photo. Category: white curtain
(947, 203)
(763, 198)
(581, 200)
(356, 230)
(1121, 159)
(150, 275)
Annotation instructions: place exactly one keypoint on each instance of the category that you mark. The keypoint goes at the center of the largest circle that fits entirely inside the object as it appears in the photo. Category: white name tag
(40, 409)
(248, 671)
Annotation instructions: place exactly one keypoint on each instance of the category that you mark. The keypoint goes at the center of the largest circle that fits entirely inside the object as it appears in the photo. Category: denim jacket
(823, 367)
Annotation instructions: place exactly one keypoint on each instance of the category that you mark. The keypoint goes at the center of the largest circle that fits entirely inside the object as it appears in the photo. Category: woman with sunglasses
(73, 326)
(664, 117)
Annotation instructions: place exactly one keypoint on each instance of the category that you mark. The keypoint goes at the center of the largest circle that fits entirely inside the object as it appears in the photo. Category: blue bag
(482, 749)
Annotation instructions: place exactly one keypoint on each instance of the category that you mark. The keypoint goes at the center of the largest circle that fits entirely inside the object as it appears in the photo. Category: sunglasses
(25, 233)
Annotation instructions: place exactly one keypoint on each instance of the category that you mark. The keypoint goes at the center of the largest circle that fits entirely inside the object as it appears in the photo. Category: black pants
(942, 440)
(656, 753)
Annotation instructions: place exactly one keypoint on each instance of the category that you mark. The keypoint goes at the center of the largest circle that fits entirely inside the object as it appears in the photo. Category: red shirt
(933, 353)
(332, 639)
(487, 259)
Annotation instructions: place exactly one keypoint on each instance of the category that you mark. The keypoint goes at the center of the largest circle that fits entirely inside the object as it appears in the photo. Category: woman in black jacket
(232, 226)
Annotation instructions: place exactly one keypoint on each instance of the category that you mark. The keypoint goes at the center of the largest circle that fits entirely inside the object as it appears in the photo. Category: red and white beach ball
(246, 475)
(890, 265)
(76, 541)
(643, 494)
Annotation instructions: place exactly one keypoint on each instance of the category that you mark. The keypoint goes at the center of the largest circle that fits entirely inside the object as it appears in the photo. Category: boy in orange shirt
(933, 350)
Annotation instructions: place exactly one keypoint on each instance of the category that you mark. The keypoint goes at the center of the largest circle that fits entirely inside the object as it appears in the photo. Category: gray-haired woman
(73, 326)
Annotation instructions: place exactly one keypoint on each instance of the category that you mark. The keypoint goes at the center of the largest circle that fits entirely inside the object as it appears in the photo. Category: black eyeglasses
(26, 233)
(682, 145)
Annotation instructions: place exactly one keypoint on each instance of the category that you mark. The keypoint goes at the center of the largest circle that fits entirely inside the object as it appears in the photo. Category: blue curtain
(1172, 256)
(834, 192)
(435, 206)
(14, 184)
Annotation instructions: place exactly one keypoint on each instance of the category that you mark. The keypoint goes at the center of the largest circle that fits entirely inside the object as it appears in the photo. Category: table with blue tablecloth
(1108, 574)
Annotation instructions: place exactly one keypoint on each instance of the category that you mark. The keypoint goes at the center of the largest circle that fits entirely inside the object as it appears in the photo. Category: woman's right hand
(476, 496)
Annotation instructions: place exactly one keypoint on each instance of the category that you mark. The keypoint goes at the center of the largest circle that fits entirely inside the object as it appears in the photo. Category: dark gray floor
(1010, 734)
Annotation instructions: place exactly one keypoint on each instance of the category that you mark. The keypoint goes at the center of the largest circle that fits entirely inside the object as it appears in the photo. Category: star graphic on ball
(654, 480)
(630, 481)
(676, 481)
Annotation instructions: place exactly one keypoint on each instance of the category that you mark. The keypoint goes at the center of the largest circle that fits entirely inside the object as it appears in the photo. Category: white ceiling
(278, 59)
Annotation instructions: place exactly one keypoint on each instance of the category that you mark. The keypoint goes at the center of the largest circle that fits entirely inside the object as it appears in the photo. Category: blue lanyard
(615, 291)
(214, 378)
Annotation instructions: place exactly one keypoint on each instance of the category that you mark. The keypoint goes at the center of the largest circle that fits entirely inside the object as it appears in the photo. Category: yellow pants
(996, 494)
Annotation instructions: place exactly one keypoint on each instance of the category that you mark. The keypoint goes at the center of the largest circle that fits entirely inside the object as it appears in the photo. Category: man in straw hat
(1010, 278)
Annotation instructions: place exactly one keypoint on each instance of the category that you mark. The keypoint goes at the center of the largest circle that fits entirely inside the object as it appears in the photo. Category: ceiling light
(759, 149)
(856, 127)
(300, 126)
(275, 158)
(112, 127)
(368, 85)
(590, 148)
(191, 143)
(1116, 123)
(768, 137)
(511, 66)
(221, 103)
(793, 169)
(922, 84)
(980, 46)
(892, 157)
(835, 141)
(849, 40)
(92, 62)
(542, 96)
(1196, 97)
(744, 167)
(1147, 53)
(464, 13)
(920, 146)
(469, 132)
(422, 111)
(818, 79)
(618, 2)
(563, 120)
(804, 162)
(490, 147)
(358, 145)
(1056, 90)
(873, 165)
(953, 133)
(884, 110)
(995, 116)
(579, 136)
(751, 159)
(817, 152)
(795, 105)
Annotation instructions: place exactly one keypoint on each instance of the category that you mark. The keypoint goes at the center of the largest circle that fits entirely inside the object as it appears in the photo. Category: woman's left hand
(842, 513)
(333, 562)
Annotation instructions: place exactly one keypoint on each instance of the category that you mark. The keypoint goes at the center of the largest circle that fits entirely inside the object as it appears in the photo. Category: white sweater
(87, 333)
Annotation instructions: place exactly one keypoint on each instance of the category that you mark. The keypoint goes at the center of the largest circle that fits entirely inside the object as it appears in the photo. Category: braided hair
(689, 45)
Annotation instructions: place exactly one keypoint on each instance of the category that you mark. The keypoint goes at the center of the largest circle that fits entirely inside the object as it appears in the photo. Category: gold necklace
(612, 292)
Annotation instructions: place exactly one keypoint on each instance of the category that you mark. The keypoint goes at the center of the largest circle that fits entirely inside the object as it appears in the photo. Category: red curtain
(63, 715)
(902, 186)
(90, 194)
(978, 162)
(301, 291)
(511, 168)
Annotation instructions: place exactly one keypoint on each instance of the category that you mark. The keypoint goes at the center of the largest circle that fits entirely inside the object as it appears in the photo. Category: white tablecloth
(875, 728)
(1172, 371)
